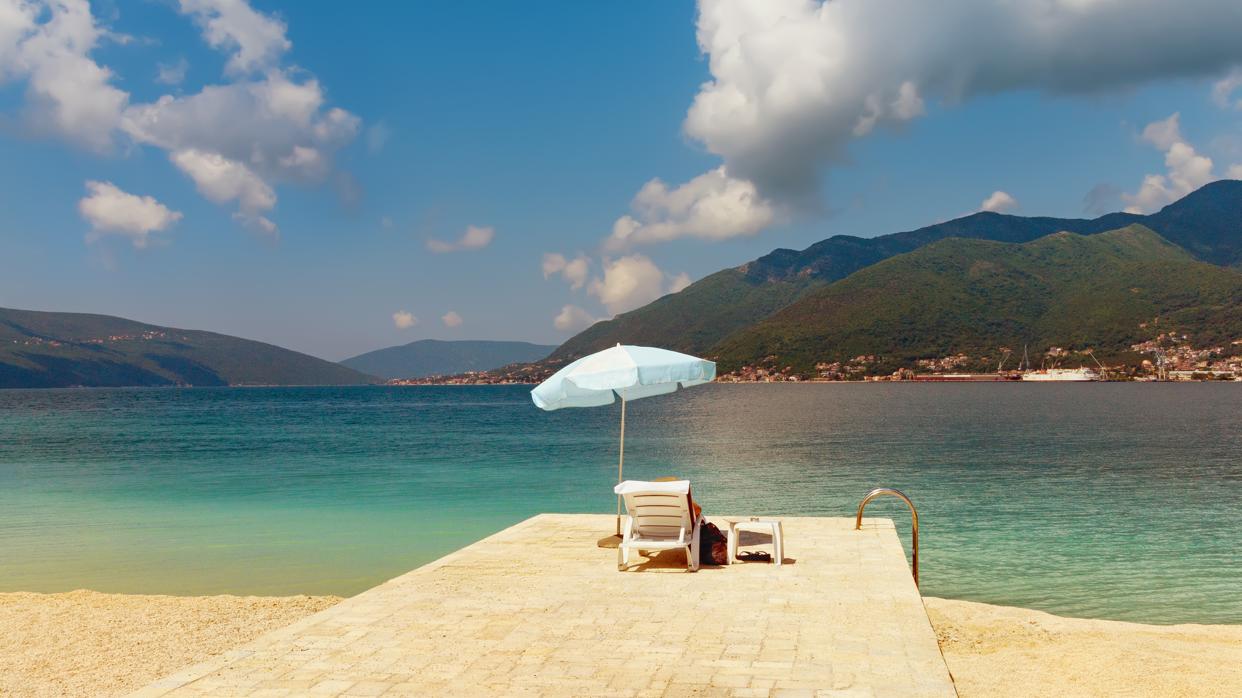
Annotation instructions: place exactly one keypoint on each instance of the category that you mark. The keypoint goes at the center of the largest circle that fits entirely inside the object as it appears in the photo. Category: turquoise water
(1112, 500)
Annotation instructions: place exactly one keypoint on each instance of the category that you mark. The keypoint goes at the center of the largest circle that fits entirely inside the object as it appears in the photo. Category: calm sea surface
(1112, 500)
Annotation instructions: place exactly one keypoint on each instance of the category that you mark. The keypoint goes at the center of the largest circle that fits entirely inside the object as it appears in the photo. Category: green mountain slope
(1207, 223)
(51, 350)
(428, 357)
(973, 296)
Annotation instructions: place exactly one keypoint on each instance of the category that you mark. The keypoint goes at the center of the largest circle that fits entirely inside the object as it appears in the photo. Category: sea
(1105, 500)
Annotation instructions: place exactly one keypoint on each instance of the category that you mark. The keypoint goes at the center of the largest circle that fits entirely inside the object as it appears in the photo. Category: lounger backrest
(660, 511)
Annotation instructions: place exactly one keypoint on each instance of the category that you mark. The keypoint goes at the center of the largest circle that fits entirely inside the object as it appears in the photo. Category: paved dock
(539, 610)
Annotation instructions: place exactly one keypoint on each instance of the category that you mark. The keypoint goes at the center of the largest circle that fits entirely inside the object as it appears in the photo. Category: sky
(337, 178)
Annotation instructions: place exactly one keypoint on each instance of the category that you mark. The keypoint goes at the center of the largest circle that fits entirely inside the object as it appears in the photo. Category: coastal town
(1167, 357)
(147, 336)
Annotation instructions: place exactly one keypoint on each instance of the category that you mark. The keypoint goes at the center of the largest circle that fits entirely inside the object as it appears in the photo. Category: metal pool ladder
(914, 521)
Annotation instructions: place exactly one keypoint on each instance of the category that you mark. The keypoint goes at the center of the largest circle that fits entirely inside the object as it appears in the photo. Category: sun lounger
(659, 516)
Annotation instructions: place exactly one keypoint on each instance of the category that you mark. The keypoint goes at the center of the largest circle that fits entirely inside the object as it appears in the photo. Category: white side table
(773, 526)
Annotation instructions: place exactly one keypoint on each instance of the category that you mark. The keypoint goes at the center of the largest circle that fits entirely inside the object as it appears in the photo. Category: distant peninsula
(64, 350)
(432, 357)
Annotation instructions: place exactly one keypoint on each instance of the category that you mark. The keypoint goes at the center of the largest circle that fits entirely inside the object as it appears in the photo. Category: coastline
(84, 643)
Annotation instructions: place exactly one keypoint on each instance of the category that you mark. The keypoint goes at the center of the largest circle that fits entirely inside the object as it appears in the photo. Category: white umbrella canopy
(625, 371)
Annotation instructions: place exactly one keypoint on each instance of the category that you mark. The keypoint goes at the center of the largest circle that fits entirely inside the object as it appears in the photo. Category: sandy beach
(1005, 651)
(85, 643)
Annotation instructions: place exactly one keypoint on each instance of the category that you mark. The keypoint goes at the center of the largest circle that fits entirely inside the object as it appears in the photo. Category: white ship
(1063, 374)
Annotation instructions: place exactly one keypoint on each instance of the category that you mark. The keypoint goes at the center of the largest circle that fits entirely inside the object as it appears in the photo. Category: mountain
(54, 350)
(1207, 223)
(1105, 291)
(430, 357)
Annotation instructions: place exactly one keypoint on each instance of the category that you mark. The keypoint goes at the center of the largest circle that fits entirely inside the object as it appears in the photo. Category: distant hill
(1206, 223)
(1105, 291)
(430, 357)
(53, 350)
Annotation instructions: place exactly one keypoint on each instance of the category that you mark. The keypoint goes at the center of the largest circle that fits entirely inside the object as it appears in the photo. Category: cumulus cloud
(1187, 170)
(712, 206)
(48, 44)
(574, 271)
(628, 282)
(403, 320)
(256, 41)
(474, 238)
(266, 123)
(451, 319)
(1224, 89)
(572, 318)
(679, 282)
(222, 180)
(794, 81)
(999, 202)
(112, 211)
(1164, 134)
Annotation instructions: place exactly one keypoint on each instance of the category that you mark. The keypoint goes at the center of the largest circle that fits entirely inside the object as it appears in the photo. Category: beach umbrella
(623, 371)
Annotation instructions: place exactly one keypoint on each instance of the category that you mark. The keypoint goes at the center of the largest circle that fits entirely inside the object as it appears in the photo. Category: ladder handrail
(914, 521)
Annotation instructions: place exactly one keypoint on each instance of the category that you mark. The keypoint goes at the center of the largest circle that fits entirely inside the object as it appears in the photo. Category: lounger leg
(692, 552)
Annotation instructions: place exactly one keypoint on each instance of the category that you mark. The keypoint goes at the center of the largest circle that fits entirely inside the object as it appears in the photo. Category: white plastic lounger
(658, 517)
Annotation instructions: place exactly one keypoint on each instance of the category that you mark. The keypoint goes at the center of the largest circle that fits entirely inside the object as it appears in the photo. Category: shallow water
(1108, 500)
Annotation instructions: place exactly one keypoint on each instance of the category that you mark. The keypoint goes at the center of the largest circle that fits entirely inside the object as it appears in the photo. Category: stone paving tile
(539, 610)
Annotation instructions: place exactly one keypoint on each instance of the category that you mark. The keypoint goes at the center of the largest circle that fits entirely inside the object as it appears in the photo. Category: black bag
(713, 545)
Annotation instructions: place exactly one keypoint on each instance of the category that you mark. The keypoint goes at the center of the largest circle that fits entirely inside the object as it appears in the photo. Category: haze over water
(1098, 500)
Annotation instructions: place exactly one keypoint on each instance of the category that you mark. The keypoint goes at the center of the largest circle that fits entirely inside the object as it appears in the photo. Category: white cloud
(572, 318)
(793, 82)
(246, 137)
(628, 283)
(270, 124)
(1235, 172)
(904, 107)
(999, 202)
(679, 282)
(451, 319)
(255, 40)
(222, 180)
(712, 206)
(403, 320)
(171, 73)
(474, 238)
(1224, 89)
(68, 94)
(1163, 134)
(1187, 170)
(271, 121)
(111, 211)
(574, 271)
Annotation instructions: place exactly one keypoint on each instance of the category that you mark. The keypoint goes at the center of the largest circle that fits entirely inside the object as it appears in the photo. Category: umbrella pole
(621, 464)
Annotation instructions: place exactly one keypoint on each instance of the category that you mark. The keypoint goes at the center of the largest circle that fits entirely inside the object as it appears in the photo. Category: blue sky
(537, 124)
